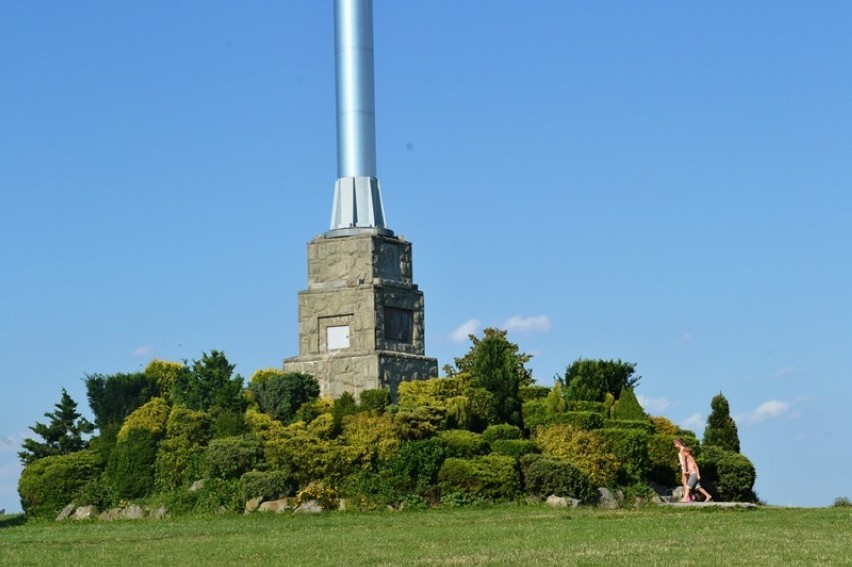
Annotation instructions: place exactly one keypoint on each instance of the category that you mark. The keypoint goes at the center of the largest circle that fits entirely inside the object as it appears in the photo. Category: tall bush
(544, 476)
(721, 430)
(280, 394)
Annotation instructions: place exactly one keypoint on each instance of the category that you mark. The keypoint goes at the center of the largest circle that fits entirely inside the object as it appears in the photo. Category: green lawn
(500, 535)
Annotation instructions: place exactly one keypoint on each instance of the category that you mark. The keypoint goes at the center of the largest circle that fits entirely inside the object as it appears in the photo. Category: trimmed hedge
(630, 447)
(49, 484)
(544, 476)
(231, 457)
(501, 432)
(130, 468)
(515, 448)
(464, 444)
(731, 474)
(268, 485)
(493, 477)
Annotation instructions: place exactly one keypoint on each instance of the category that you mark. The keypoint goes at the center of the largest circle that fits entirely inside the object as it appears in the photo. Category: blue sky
(667, 183)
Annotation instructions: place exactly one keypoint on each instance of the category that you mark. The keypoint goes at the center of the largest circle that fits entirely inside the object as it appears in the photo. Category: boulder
(276, 506)
(308, 507)
(85, 513)
(158, 513)
(112, 514)
(134, 512)
(196, 486)
(66, 513)
(252, 505)
(606, 499)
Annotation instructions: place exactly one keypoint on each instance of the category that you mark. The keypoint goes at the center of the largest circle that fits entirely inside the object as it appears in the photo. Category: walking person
(681, 457)
(693, 482)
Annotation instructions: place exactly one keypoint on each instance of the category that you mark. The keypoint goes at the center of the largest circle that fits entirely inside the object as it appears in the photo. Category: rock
(308, 507)
(84, 513)
(276, 506)
(196, 486)
(252, 505)
(134, 512)
(556, 501)
(66, 513)
(606, 499)
(158, 513)
(341, 504)
(112, 514)
(677, 494)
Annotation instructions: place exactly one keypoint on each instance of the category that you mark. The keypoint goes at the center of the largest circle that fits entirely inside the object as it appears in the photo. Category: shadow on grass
(12, 521)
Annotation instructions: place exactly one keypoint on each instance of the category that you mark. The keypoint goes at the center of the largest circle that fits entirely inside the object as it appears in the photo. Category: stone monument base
(356, 372)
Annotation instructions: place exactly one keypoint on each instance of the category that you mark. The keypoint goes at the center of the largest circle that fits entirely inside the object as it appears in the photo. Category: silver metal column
(357, 196)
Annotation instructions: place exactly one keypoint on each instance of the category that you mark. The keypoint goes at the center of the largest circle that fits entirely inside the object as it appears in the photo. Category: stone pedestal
(361, 323)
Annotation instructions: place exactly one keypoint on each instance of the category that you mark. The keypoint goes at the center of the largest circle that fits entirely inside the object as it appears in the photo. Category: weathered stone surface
(158, 513)
(360, 288)
(276, 506)
(134, 512)
(252, 505)
(308, 507)
(606, 498)
(561, 502)
(111, 514)
(84, 513)
(196, 486)
(66, 512)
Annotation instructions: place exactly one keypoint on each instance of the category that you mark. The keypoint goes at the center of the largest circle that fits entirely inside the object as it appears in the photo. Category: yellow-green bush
(263, 426)
(151, 417)
(375, 437)
(420, 423)
(166, 374)
(582, 449)
(433, 392)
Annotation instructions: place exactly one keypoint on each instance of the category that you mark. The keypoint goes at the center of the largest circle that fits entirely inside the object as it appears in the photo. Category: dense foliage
(721, 430)
(480, 435)
(62, 435)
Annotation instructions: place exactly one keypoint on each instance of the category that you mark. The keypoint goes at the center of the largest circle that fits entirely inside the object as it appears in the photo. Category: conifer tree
(628, 407)
(721, 430)
(62, 435)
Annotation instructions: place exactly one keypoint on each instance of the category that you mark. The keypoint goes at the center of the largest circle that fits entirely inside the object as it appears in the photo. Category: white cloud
(469, 327)
(146, 350)
(654, 405)
(769, 410)
(787, 372)
(684, 338)
(534, 324)
(693, 422)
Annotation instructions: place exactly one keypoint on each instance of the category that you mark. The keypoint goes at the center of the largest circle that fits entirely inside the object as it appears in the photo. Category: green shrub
(268, 485)
(227, 423)
(493, 477)
(112, 398)
(587, 420)
(535, 413)
(231, 457)
(663, 464)
(842, 502)
(215, 496)
(586, 405)
(544, 476)
(732, 475)
(464, 444)
(501, 431)
(181, 455)
(280, 394)
(47, 485)
(515, 448)
(376, 400)
(630, 447)
(419, 423)
(131, 465)
(628, 407)
(533, 392)
(643, 425)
